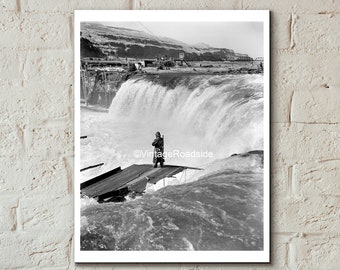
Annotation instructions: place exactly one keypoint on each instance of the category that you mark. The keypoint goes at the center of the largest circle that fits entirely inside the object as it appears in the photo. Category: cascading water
(221, 114)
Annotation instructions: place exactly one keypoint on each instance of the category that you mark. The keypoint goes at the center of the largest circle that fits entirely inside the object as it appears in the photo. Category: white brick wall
(36, 128)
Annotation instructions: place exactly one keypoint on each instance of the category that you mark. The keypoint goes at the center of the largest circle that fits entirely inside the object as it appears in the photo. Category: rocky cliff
(99, 40)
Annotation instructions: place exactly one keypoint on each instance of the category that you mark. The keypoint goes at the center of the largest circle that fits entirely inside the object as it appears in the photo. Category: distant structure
(259, 63)
(243, 57)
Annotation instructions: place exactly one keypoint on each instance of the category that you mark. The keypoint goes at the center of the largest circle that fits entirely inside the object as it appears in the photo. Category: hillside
(99, 40)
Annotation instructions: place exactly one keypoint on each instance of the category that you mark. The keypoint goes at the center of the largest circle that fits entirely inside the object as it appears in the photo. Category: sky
(242, 37)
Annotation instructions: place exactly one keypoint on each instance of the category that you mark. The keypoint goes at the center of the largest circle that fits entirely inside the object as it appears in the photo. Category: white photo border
(173, 256)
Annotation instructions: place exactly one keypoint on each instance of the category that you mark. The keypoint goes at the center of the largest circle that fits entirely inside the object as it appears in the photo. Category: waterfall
(221, 113)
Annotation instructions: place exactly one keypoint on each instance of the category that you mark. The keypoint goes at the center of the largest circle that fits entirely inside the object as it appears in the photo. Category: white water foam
(219, 114)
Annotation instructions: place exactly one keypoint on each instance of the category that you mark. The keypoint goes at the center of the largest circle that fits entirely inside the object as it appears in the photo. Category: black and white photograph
(172, 136)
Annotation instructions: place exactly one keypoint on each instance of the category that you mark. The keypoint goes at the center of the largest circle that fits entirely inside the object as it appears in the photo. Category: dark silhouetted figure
(158, 155)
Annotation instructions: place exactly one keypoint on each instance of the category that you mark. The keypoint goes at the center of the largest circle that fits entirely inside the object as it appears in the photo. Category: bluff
(104, 41)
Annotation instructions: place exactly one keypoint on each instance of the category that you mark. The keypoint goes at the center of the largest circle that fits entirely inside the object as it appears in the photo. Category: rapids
(220, 114)
(219, 208)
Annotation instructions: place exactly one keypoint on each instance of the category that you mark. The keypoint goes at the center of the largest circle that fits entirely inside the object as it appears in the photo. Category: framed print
(172, 136)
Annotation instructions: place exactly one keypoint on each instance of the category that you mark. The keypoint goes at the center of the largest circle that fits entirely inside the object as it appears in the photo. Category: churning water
(219, 208)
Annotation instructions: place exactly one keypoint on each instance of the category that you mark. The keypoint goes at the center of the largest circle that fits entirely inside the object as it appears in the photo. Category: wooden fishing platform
(114, 185)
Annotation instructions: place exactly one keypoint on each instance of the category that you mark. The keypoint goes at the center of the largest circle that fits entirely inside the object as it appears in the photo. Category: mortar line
(70, 20)
(18, 6)
(290, 249)
(292, 22)
(287, 255)
(131, 4)
(290, 180)
(290, 109)
(18, 219)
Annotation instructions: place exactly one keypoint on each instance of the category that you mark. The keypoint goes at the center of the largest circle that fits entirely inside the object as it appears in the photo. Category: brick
(65, 6)
(318, 31)
(281, 104)
(49, 105)
(11, 141)
(12, 172)
(33, 30)
(191, 267)
(69, 166)
(38, 105)
(304, 142)
(187, 4)
(46, 177)
(281, 90)
(279, 177)
(48, 67)
(12, 107)
(278, 68)
(132, 266)
(317, 178)
(27, 249)
(45, 31)
(8, 22)
(316, 252)
(321, 105)
(303, 71)
(280, 250)
(46, 212)
(280, 30)
(8, 5)
(62, 6)
(51, 141)
(11, 65)
(8, 212)
(317, 214)
(302, 6)
(100, 4)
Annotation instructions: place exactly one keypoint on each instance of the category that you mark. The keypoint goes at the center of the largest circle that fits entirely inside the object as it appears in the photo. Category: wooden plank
(134, 178)
(165, 172)
(91, 167)
(139, 186)
(143, 176)
(99, 178)
(116, 181)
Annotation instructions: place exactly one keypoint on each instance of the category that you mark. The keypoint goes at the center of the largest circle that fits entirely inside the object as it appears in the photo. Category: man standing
(158, 143)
